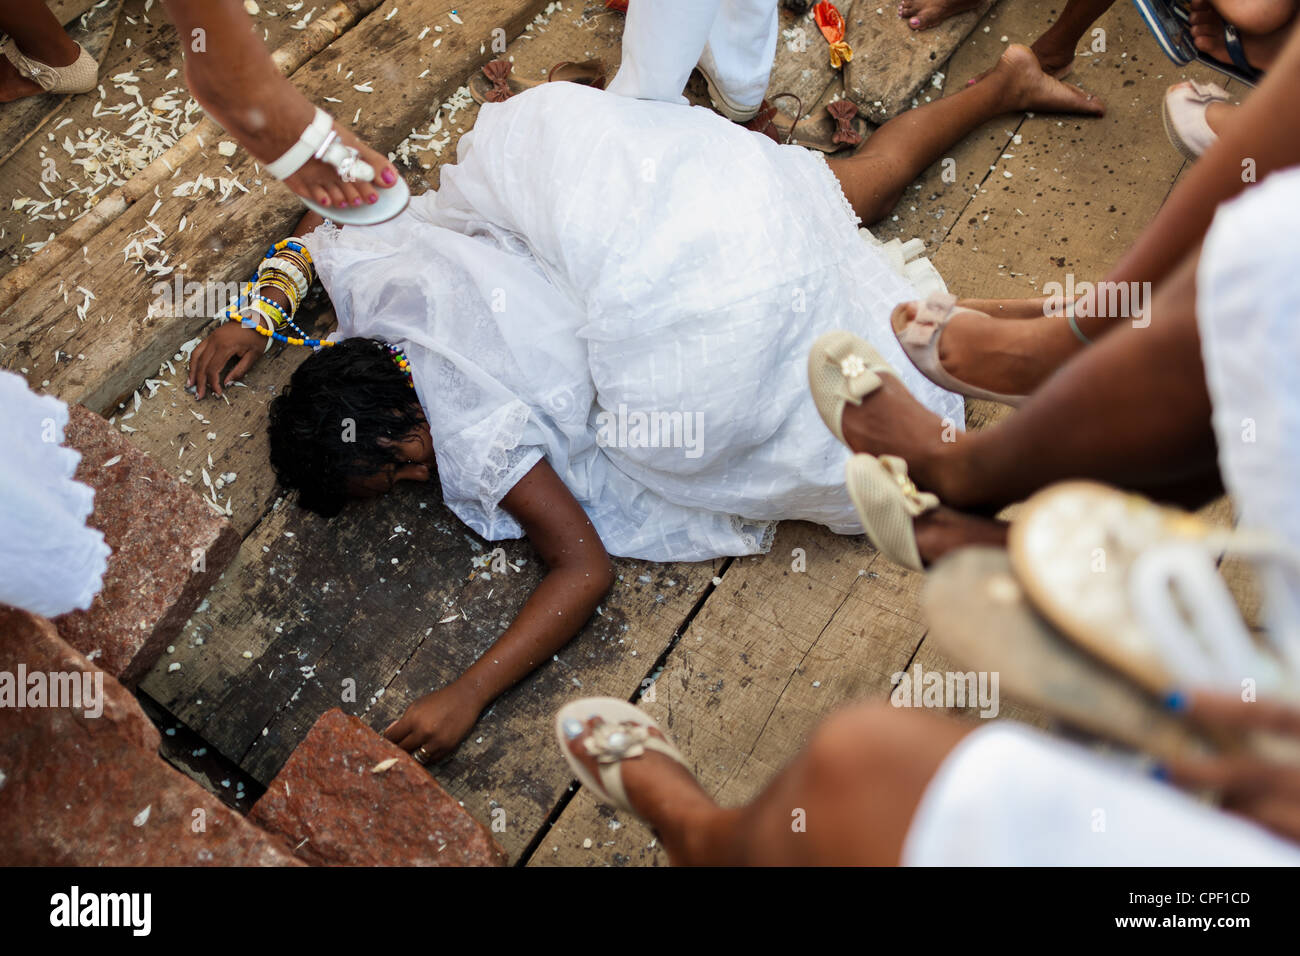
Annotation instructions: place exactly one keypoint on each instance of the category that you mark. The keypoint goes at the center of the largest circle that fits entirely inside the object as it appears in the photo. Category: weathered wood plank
(772, 652)
(222, 242)
(150, 49)
(313, 610)
(803, 62)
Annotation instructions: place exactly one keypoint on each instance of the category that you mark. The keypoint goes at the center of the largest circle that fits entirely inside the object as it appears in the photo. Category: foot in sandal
(620, 752)
(865, 406)
(65, 68)
(336, 174)
(909, 526)
(1193, 114)
(968, 351)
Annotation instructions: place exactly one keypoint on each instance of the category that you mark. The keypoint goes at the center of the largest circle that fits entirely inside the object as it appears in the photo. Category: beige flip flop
(1137, 585)
(622, 734)
(920, 340)
(887, 502)
(981, 618)
(843, 368)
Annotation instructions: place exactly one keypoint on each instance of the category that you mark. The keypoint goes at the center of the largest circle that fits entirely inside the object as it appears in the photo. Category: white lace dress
(51, 562)
(629, 289)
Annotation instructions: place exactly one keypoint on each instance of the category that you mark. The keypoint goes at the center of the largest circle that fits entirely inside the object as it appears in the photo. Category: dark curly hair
(344, 409)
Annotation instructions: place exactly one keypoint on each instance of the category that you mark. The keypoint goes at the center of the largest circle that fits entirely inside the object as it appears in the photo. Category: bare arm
(579, 575)
(232, 341)
(1265, 130)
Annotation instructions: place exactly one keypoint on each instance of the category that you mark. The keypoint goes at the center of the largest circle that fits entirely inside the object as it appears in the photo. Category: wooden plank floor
(739, 658)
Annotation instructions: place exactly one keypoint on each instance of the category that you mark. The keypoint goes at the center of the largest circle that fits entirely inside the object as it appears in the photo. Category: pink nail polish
(325, 200)
(914, 22)
(357, 201)
(374, 198)
(390, 177)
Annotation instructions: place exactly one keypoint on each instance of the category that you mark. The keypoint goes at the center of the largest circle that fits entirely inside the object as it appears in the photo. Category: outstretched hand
(211, 356)
(434, 725)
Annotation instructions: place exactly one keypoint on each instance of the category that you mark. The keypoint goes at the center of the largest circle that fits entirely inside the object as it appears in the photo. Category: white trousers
(664, 39)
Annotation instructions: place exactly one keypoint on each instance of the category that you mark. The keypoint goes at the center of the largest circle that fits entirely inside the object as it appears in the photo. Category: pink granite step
(81, 783)
(348, 797)
(168, 546)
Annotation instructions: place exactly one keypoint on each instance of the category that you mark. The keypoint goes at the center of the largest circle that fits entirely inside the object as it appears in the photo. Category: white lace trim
(755, 536)
(819, 160)
(500, 462)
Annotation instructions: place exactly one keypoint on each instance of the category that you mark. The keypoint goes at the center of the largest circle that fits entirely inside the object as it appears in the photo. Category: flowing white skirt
(630, 289)
(50, 561)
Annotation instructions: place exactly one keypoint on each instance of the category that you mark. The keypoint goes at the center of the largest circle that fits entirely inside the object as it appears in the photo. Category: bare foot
(1029, 88)
(1207, 36)
(665, 794)
(267, 117)
(1257, 16)
(1013, 358)
(924, 14)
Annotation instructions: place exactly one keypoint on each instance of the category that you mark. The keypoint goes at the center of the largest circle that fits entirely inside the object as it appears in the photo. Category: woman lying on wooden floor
(604, 313)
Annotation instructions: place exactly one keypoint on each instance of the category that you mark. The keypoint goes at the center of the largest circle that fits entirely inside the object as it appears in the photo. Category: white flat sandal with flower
(623, 732)
(320, 141)
(843, 368)
(888, 503)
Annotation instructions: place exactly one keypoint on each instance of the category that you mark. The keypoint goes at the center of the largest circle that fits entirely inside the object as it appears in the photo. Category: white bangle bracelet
(300, 281)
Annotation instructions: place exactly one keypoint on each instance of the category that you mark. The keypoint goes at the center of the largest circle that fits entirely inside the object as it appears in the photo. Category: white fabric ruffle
(51, 562)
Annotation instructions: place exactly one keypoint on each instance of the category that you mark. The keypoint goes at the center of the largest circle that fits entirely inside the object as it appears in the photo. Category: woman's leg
(1055, 48)
(1261, 48)
(846, 799)
(1132, 410)
(1257, 16)
(873, 178)
(231, 74)
(37, 34)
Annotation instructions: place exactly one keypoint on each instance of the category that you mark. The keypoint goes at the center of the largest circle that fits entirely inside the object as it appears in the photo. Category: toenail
(324, 200)
(915, 22)
(390, 177)
(572, 728)
(357, 201)
(373, 198)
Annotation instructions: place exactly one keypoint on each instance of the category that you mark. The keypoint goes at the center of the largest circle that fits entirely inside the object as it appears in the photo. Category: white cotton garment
(51, 562)
(1009, 795)
(662, 42)
(594, 258)
(1248, 315)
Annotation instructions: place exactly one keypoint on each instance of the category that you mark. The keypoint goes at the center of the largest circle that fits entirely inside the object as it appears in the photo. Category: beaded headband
(402, 362)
